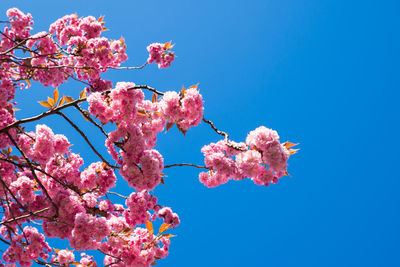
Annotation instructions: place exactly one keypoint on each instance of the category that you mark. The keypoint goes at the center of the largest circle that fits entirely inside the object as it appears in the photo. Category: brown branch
(215, 128)
(84, 114)
(186, 164)
(24, 216)
(33, 173)
(129, 68)
(109, 192)
(42, 115)
(86, 139)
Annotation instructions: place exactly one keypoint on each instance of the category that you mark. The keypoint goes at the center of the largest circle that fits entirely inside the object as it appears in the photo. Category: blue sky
(322, 73)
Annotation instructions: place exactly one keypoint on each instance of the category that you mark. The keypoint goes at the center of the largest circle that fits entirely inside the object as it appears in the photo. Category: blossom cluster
(262, 158)
(43, 180)
(161, 54)
(139, 121)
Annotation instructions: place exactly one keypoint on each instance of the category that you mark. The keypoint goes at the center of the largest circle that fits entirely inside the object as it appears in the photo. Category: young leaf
(149, 227)
(82, 94)
(168, 45)
(50, 101)
(154, 98)
(194, 86)
(62, 100)
(141, 112)
(289, 145)
(44, 104)
(169, 125)
(183, 92)
(28, 82)
(168, 235)
(56, 250)
(55, 95)
(164, 227)
(69, 99)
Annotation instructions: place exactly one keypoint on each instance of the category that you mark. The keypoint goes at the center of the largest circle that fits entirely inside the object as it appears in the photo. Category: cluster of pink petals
(262, 158)
(63, 257)
(35, 247)
(168, 216)
(160, 54)
(138, 205)
(84, 239)
(137, 249)
(185, 110)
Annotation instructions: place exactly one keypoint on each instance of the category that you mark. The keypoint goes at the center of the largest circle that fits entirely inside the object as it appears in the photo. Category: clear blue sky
(322, 73)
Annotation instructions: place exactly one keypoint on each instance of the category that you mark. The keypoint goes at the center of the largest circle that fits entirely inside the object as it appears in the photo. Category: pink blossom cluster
(168, 216)
(84, 239)
(119, 106)
(80, 50)
(35, 247)
(98, 175)
(64, 256)
(160, 54)
(186, 109)
(138, 249)
(138, 205)
(262, 158)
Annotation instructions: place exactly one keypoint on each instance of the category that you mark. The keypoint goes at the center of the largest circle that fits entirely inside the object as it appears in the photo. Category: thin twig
(186, 164)
(24, 216)
(86, 139)
(90, 119)
(129, 68)
(33, 172)
(117, 194)
(215, 128)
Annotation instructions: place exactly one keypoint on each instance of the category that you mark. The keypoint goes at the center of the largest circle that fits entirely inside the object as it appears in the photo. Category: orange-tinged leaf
(16, 109)
(50, 101)
(9, 149)
(149, 227)
(163, 175)
(28, 82)
(100, 19)
(56, 250)
(162, 181)
(164, 227)
(153, 263)
(75, 263)
(104, 29)
(62, 100)
(287, 174)
(167, 45)
(169, 125)
(44, 104)
(194, 86)
(293, 151)
(82, 94)
(168, 235)
(60, 55)
(289, 145)
(55, 95)
(183, 91)
(181, 130)
(154, 98)
(68, 99)
(141, 112)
